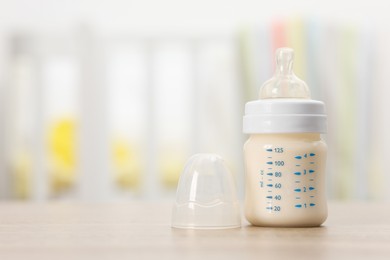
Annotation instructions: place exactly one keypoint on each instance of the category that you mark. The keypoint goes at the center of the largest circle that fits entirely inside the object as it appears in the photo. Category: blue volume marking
(269, 185)
(297, 181)
(312, 154)
(297, 190)
(311, 188)
(269, 150)
(269, 162)
(298, 205)
(312, 204)
(269, 208)
(269, 174)
(311, 162)
(269, 197)
(311, 171)
(297, 173)
(298, 157)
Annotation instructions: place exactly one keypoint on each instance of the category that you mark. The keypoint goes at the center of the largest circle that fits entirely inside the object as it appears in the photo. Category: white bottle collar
(284, 116)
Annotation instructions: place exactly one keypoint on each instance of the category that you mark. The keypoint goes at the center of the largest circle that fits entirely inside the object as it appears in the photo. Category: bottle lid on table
(206, 195)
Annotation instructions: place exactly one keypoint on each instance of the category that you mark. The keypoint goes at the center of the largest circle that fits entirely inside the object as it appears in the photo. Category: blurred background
(107, 99)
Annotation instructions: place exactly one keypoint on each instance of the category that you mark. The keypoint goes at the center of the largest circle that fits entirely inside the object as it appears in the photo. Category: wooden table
(139, 230)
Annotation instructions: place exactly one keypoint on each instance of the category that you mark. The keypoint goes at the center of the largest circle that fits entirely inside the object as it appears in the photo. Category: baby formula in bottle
(285, 156)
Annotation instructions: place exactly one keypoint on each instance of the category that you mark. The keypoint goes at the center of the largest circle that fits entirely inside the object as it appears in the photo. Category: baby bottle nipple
(284, 83)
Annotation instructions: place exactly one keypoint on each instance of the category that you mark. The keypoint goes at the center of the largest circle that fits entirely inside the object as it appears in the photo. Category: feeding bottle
(285, 156)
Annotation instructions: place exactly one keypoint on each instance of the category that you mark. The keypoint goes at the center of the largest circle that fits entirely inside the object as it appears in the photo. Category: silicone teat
(284, 83)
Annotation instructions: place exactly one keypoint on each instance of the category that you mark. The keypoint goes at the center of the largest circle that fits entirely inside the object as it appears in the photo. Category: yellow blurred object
(296, 40)
(62, 154)
(171, 165)
(22, 167)
(63, 158)
(126, 165)
(171, 172)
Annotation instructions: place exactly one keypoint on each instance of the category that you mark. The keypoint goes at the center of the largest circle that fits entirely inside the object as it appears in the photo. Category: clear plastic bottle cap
(206, 195)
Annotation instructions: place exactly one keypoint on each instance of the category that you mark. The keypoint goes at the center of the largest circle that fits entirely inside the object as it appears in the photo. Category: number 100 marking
(279, 163)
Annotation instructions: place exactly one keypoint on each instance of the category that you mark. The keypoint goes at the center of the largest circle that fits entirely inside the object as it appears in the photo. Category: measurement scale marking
(298, 172)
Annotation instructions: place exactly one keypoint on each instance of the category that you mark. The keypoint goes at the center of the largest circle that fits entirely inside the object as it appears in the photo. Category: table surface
(140, 230)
